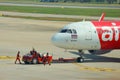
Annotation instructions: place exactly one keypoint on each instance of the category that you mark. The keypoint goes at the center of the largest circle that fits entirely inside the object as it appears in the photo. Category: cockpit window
(74, 31)
(63, 31)
(66, 31)
(71, 31)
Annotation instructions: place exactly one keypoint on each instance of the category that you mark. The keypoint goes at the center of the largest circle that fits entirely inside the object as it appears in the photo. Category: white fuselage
(78, 35)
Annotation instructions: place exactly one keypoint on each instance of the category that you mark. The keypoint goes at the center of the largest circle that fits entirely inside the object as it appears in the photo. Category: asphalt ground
(25, 34)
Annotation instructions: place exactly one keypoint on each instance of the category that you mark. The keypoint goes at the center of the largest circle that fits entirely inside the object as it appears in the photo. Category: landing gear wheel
(80, 59)
(35, 61)
(26, 62)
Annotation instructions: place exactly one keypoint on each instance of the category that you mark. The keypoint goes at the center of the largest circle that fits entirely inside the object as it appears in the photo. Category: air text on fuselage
(110, 33)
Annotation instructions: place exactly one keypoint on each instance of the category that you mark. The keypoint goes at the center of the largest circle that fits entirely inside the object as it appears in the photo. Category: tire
(80, 59)
(26, 62)
(35, 61)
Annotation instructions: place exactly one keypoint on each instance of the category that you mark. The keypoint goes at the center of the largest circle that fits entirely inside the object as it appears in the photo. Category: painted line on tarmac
(1, 14)
(83, 67)
(7, 57)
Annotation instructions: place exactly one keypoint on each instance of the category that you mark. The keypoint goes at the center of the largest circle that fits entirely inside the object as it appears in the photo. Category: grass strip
(64, 11)
(46, 18)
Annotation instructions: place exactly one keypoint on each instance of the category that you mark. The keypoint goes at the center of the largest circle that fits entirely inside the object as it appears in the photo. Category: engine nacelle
(99, 52)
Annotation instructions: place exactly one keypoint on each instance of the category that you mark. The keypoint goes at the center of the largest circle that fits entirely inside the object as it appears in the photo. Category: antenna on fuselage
(102, 17)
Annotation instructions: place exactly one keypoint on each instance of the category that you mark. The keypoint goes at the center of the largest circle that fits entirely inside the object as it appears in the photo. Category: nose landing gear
(80, 59)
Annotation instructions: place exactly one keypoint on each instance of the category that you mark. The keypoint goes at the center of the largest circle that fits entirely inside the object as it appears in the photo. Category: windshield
(71, 31)
(63, 31)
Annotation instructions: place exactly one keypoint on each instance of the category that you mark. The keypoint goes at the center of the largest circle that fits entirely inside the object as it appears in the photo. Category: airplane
(98, 37)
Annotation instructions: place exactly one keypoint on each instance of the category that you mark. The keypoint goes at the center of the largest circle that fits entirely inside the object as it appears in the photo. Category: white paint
(108, 31)
(86, 37)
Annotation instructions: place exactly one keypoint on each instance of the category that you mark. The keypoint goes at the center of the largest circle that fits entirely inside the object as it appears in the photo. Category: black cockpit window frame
(71, 31)
(74, 31)
(63, 31)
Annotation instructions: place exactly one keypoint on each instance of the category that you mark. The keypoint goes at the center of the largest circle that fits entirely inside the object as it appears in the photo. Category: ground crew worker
(46, 59)
(18, 57)
(33, 52)
(47, 55)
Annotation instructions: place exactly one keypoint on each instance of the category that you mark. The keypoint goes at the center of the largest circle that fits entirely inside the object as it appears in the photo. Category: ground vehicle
(36, 58)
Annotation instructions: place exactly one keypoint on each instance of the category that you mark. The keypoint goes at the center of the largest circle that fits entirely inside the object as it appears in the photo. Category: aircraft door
(90, 40)
(88, 35)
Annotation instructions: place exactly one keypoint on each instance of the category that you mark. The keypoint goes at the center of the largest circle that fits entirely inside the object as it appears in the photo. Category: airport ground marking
(81, 66)
(84, 67)
(7, 57)
(1, 14)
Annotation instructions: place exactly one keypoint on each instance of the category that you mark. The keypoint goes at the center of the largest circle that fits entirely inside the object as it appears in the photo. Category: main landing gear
(80, 59)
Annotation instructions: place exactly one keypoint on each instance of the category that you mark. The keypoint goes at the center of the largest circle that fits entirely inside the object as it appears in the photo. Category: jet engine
(99, 52)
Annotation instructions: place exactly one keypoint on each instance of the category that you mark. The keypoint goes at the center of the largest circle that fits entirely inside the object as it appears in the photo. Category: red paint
(107, 36)
(113, 31)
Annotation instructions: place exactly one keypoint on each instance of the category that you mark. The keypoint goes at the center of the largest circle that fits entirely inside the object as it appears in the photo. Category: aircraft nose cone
(55, 40)
(59, 40)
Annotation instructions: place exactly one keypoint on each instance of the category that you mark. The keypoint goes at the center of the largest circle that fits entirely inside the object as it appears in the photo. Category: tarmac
(25, 34)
